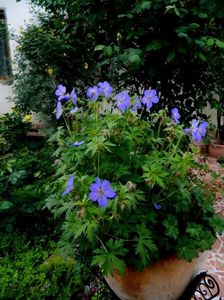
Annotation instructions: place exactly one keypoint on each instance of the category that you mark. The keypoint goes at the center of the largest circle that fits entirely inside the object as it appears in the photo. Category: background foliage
(165, 44)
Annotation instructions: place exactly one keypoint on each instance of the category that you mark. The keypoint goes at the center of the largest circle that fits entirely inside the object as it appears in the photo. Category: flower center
(101, 192)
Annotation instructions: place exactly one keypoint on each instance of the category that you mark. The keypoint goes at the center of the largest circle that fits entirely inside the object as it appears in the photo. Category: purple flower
(194, 125)
(175, 115)
(105, 89)
(74, 110)
(61, 93)
(69, 185)
(74, 96)
(101, 191)
(93, 93)
(76, 143)
(149, 98)
(137, 104)
(157, 206)
(123, 101)
(197, 131)
(58, 110)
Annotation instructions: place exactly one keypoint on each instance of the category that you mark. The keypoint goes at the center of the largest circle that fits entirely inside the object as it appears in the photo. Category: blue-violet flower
(105, 89)
(73, 96)
(69, 185)
(58, 110)
(77, 143)
(149, 98)
(175, 115)
(123, 101)
(101, 191)
(61, 93)
(93, 93)
(137, 104)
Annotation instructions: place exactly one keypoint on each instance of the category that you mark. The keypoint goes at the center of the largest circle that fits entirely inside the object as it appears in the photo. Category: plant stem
(67, 125)
(101, 243)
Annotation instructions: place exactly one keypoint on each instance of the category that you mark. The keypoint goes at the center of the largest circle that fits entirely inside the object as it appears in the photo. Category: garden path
(215, 262)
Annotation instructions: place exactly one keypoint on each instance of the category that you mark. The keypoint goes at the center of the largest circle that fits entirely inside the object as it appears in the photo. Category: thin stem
(98, 164)
(101, 243)
(67, 125)
(176, 146)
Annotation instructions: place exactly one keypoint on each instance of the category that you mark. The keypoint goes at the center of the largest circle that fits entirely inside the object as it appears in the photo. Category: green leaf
(171, 226)
(194, 229)
(134, 59)
(202, 56)
(194, 25)
(5, 205)
(108, 51)
(203, 15)
(99, 47)
(146, 5)
(154, 45)
(182, 34)
(219, 43)
(176, 10)
(9, 228)
(169, 7)
(186, 249)
(107, 257)
(144, 247)
(182, 29)
(170, 56)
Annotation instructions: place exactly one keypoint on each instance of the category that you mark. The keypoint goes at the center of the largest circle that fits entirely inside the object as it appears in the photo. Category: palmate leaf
(76, 227)
(154, 173)
(187, 248)
(107, 257)
(171, 226)
(144, 246)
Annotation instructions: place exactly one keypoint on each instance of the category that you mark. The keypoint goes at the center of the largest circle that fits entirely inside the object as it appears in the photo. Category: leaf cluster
(160, 208)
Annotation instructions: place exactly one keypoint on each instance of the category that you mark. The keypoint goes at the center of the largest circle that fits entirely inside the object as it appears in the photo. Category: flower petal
(93, 196)
(102, 200)
(69, 185)
(58, 110)
(94, 187)
(110, 193)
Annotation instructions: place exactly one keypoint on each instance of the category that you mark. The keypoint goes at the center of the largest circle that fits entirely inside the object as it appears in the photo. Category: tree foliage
(165, 44)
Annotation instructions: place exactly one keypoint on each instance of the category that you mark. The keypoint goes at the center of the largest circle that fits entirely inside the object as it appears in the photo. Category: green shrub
(165, 44)
(12, 131)
(36, 272)
(25, 172)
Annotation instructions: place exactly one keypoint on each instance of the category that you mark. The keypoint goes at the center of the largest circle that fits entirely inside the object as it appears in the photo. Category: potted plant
(127, 187)
(216, 145)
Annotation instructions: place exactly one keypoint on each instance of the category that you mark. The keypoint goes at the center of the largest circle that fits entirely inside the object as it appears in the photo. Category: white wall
(17, 15)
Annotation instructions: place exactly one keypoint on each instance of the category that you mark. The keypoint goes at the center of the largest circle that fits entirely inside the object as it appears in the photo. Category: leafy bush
(12, 131)
(25, 168)
(36, 272)
(165, 44)
(134, 192)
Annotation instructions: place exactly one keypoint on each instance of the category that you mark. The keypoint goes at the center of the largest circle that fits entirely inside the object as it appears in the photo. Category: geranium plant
(126, 181)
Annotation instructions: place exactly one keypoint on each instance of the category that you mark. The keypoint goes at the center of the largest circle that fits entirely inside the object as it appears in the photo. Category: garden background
(175, 47)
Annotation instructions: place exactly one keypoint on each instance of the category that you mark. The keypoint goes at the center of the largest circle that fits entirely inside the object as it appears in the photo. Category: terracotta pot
(216, 150)
(164, 280)
(202, 148)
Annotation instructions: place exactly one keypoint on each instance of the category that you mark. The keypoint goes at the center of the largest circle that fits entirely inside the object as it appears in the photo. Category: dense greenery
(165, 44)
(158, 206)
(31, 267)
(25, 168)
(36, 271)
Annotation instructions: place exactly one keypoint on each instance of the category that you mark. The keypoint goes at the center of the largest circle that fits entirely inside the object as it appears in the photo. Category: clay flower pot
(216, 150)
(164, 280)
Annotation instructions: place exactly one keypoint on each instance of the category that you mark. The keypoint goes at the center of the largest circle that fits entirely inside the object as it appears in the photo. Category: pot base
(164, 280)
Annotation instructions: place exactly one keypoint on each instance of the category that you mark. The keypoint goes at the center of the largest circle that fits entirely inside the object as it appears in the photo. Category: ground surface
(215, 262)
